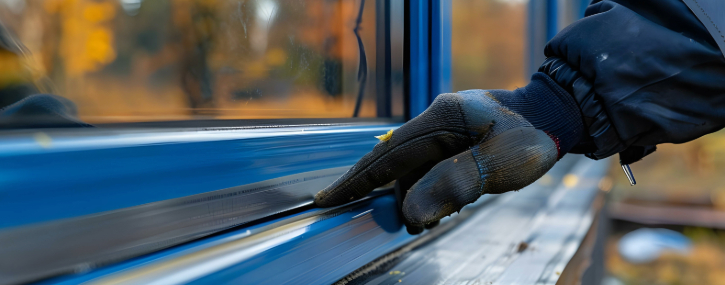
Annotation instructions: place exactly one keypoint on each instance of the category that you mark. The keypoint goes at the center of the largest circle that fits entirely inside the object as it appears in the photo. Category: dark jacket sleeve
(643, 72)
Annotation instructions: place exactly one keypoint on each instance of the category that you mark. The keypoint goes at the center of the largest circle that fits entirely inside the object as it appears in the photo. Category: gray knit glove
(465, 145)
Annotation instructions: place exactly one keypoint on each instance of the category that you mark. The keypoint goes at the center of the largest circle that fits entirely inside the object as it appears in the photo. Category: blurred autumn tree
(488, 44)
(144, 60)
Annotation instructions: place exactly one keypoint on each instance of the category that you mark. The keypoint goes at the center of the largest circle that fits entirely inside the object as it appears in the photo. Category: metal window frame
(74, 200)
(429, 57)
(142, 176)
(103, 192)
(365, 243)
(281, 159)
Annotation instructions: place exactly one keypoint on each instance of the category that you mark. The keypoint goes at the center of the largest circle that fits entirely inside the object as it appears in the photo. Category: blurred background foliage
(691, 173)
(680, 186)
(153, 60)
(143, 60)
(703, 265)
(488, 44)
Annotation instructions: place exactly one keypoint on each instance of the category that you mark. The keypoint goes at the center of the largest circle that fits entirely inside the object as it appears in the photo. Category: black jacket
(643, 72)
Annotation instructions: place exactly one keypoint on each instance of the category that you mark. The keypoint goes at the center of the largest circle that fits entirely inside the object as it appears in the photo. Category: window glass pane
(163, 60)
(488, 44)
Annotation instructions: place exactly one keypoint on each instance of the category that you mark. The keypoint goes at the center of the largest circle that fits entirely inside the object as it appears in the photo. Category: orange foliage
(187, 59)
(488, 44)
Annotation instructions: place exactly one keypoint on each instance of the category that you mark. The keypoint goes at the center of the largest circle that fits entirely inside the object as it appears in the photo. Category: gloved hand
(480, 142)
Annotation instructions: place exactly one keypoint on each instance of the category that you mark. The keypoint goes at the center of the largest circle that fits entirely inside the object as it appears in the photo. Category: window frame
(204, 151)
(87, 173)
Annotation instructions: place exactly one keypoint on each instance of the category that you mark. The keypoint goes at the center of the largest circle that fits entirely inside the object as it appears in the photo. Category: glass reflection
(488, 44)
(163, 60)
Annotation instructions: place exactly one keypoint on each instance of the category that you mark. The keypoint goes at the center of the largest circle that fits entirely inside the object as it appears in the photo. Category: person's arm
(643, 72)
(630, 75)
(464, 145)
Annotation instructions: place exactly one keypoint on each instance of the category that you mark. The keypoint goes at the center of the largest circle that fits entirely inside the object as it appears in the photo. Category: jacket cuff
(549, 108)
(603, 140)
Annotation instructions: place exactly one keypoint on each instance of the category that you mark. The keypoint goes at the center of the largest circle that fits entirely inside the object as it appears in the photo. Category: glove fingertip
(326, 202)
(420, 215)
(320, 200)
(414, 230)
(324, 198)
(448, 187)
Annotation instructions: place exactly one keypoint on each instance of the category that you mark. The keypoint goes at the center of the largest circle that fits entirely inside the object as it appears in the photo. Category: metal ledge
(73, 200)
(526, 237)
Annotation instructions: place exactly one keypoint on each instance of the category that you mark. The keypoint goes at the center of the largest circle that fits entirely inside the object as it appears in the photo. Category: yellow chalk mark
(385, 137)
(44, 140)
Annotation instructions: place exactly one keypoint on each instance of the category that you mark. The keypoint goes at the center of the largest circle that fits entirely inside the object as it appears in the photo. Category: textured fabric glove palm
(464, 145)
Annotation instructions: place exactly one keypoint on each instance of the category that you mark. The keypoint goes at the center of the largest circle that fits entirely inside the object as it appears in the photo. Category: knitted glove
(477, 142)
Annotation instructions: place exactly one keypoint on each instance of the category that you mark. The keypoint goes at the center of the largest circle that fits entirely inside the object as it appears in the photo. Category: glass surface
(488, 44)
(168, 60)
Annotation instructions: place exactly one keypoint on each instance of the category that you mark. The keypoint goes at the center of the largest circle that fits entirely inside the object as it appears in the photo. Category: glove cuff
(549, 108)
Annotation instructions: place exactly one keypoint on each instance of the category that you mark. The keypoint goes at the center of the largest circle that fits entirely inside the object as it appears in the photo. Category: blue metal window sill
(74, 199)
(364, 242)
